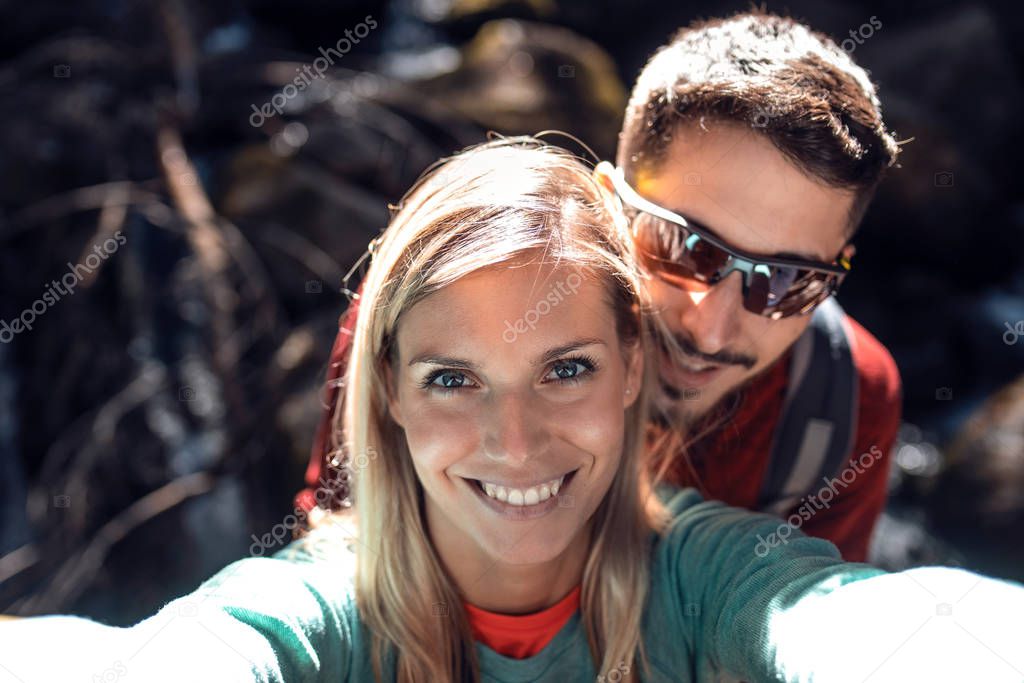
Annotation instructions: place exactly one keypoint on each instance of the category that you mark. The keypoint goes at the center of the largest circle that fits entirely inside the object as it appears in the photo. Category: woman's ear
(394, 404)
(634, 374)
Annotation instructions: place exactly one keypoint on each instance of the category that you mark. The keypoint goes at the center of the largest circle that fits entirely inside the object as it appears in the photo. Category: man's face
(732, 180)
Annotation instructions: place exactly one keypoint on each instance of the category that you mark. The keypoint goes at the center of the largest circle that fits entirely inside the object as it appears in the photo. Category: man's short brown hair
(791, 84)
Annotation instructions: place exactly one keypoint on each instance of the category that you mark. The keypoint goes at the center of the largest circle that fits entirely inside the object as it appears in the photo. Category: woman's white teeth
(522, 497)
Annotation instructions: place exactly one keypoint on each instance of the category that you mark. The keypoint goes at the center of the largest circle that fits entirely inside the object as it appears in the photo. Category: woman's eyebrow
(546, 357)
(448, 361)
(552, 354)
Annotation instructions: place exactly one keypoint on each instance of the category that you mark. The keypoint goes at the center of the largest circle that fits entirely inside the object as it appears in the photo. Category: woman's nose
(515, 431)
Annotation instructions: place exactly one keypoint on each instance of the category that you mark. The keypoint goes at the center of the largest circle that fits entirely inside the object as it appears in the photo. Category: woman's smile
(522, 502)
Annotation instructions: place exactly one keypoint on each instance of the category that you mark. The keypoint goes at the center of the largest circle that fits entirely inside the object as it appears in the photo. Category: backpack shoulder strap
(818, 424)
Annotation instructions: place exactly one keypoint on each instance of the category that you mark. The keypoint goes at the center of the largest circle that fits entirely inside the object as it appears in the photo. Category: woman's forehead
(503, 306)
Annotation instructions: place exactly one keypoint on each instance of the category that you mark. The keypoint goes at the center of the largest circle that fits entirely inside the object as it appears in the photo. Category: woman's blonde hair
(510, 200)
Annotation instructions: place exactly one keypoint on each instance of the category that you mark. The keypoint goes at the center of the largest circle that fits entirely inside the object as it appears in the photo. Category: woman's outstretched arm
(766, 608)
(285, 618)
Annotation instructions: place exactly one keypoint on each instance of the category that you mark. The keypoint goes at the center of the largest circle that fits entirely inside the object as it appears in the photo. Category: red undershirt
(521, 635)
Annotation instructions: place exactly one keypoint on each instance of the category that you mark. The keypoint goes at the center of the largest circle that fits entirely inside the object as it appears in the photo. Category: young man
(750, 150)
(767, 142)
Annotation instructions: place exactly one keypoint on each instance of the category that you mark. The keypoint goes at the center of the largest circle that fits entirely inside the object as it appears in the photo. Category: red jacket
(731, 462)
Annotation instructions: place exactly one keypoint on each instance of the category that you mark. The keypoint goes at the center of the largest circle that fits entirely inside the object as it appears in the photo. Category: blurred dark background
(157, 420)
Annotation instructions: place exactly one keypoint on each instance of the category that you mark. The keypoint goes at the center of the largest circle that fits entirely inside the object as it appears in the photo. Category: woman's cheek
(596, 423)
(439, 436)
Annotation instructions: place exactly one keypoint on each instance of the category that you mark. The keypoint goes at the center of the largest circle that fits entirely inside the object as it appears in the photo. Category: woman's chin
(532, 547)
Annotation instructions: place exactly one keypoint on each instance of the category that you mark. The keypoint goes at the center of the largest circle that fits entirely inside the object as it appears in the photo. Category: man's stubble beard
(673, 410)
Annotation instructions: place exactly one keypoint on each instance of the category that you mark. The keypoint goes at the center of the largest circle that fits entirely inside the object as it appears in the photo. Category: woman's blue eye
(568, 370)
(572, 369)
(447, 380)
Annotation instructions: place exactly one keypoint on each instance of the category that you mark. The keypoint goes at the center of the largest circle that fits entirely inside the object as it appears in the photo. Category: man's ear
(391, 386)
(603, 175)
(849, 251)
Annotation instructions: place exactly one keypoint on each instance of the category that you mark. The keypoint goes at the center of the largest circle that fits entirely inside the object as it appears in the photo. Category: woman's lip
(682, 377)
(522, 512)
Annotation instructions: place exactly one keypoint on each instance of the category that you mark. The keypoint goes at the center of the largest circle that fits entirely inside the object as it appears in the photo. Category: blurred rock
(520, 77)
(978, 500)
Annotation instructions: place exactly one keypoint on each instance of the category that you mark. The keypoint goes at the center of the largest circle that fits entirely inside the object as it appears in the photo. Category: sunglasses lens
(707, 259)
(809, 290)
(781, 281)
(757, 292)
(657, 237)
(674, 252)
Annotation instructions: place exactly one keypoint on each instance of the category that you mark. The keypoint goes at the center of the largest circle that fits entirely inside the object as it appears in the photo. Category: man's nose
(712, 317)
(515, 434)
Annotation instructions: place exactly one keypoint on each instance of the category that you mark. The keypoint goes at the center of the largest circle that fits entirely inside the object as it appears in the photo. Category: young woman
(492, 423)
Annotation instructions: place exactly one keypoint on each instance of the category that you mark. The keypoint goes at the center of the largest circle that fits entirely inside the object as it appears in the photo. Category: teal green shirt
(723, 606)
